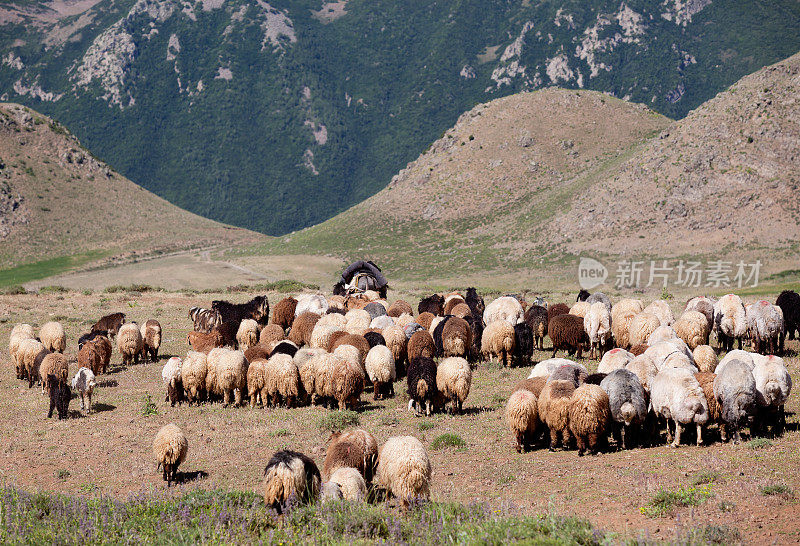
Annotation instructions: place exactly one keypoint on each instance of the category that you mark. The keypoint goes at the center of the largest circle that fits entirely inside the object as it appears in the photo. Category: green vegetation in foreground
(46, 268)
(216, 517)
(665, 501)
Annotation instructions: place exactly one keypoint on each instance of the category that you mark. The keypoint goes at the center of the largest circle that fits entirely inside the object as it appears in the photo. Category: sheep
(703, 305)
(247, 334)
(193, 375)
(676, 394)
(692, 327)
(19, 333)
(730, 321)
(706, 381)
(475, 302)
(398, 308)
(736, 354)
(30, 354)
(453, 381)
(330, 492)
(380, 370)
(614, 360)
(303, 325)
(705, 358)
(375, 309)
(169, 448)
(662, 333)
(498, 341)
(569, 372)
(109, 324)
(432, 304)
(84, 383)
(256, 352)
(662, 350)
(283, 313)
(536, 318)
(374, 339)
(256, 382)
(281, 379)
(232, 377)
(351, 449)
(336, 303)
(318, 373)
(212, 371)
(553, 407)
(661, 309)
(580, 308)
(624, 307)
(358, 316)
(129, 343)
(357, 341)
(627, 401)
(420, 345)
(522, 416)
(412, 328)
(583, 295)
(773, 386)
(545, 368)
(270, 333)
(765, 326)
(534, 385)
(645, 369)
(599, 297)
(306, 366)
(523, 344)
(172, 376)
(639, 349)
(555, 310)
(288, 476)
(456, 336)
(620, 329)
(348, 384)
(151, 337)
(735, 391)
(204, 320)
(204, 342)
(54, 364)
(595, 378)
(461, 310)
(60, 395)
(89, 357)
(566, 332)
(379, 323)
(53, 337)
(336, 320)
(789, 302)
(640, 328)
(505, 308)
(351, 484)
(679, 360)
(256, 309)
(421, 380)
(404, 469)
(396, 341)
(321, 336)
(597, 324)
(94, 337)
(589, 416)
(426, 319)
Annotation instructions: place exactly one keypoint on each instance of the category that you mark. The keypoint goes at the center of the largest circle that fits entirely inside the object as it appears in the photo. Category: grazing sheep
(351, 484)
(675, 394)
(663, 350)
(432, 304)
(645, 369)
(321, 335)
(553, 406)
(84, 383)
(692, 327)
(398, 308)
(475, 302)
(566, 333)
(773, 386)
(624, 307)
(703, 305)
(374, 339)
(536, 317)
(421, 382)
(589, 416)
(256, 383)
(641, 326)
(661, 309)
(290, 476)
(597, 324)
(54, 364)
(523, 344)
(706, 381)
(614, 360)
(736, 354)
(204, 342)
(247, 334)
(172, 376)
(104, 349)
(730, 321)
(476, 325)
(336, 320)
(375, 309)
(453, 381)
(357, 341)
(735, 391)
(284, 347)
(599, 297)
(212, 371)
(595, 378)
(404, 469)
(380, 370)
(232, 377)
(569, 372)
(19, 333)
(348, 384)
(270, 333)
(357, 318)
(765, 326)
(637, 350)
(583, 295)
(52, 336)
(336, 303)
(421, 345)
(30, 355)
(620, 329)
(522, 416)
(535, 385)
(303, 325)
(151, 337)
(169, 448)
(456, 337)
(60, 395)
(627, 401)
(281, 379)
(283, 313)
(461, 310)
(789, 302)
(397, 342)
(498, 341)
(580, 308)
(109, 324)
(130, 343)
(306, 366)
(89, 357)
(426, 319)
(662, 333)
(705, 358)
(256, 352)
(331, 492)
(381, 322)
(505, 308)
(193, 375)
(545, 368)
(351, 449)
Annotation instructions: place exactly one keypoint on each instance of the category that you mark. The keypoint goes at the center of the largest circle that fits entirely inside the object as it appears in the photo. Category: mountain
(275, 116)
(57, 202)
(530, 181)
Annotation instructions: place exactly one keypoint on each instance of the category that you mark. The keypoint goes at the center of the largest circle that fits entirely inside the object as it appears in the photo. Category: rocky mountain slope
(534, 179)
(57, 200)
(278, 115)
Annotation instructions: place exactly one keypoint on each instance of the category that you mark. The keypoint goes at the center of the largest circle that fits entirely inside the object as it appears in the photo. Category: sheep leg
(226, 399)
(553, 439)
(460, 407)
(581, 446)
(83, 406)
(519, 441)
(699, 434)
(391, 389)
(669, 432)
(238, 397)
(677, 441)
(736, 437)
(723, 433)
(428, 408)
(622, 435)
(89, 409)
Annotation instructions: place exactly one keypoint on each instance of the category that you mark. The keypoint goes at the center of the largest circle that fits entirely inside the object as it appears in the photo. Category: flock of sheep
(315, 349)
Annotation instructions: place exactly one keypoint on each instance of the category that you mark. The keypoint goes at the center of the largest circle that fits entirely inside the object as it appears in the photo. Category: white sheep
(282, 379)
(641, 326)
(232, 377)
(313, 303)
(130, 343)
(692, 327)
(522, 416)
(504, 308)
(53, 337)
(773, 386)
(764, 326)
(247, 335)
(172, 376)
(614, 360)
(597, 323)
(661, 309)
(170, 447)
(380, 368)
(705, 358)
(677, 395)
(645, 369)
(84, 383)
(19, 333)
(730, 321)
(193, 374)
(662, 333)
(453, 380)
(351, 483)
(580, 308)
(381, 322)
(404, 469)
(736, 354)
(545, 368)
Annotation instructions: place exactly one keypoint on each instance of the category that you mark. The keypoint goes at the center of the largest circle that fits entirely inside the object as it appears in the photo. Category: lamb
(380, 370)
(270, 333)
(421, 382)
(453, 381)
(19, 333)
(789, 302)
(53, 337)
(404, 469)
(523, 344)
(204, 342)
(522, 416)
(566, 333)
(290, 475)
(247, 334)
(614, 360)
(30, 354)
(109, 324)
(232, 377)
(627, 401)
(645, 369)
(303, 325)
(676, 394)
(692, 327)
(661, 309)
(169, 448)
(351, 449)
(773, 386)
(420, 345)
(432, 304)
(84, 383)
(151, 336)
(553, 405)
(505, 308)
(172, 376)
(705, 358)
(765, 326)
(330, 492)
(589, 416)
(597, 324)
(730, 321)
(60, 395)
(641, 326)
(351, 484)
(735, 391)
(536, 317)
(580, 308)
(545, 368)
(193, 375)
(498, 341)
(475, 302)
(702, 305)
(283, 313)
(398, 308)
(281, 380)
(456, 337)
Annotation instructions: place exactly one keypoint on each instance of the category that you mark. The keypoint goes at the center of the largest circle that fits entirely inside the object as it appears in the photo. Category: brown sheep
(589, 416)
(204, 342)
(89, 357)
(359, 342)
(398, 308)
(348, 384)
(396, 340)
(425, 319)
(333, 337)
(271, 332)
(352, 449)
(535, 385)
(303, 325)
(151, 332)
(105, 350)
(54, 364)
(256, 352)
(109, 323)
(639, 349)
(536, 318)
(451, 302)
(567, 333)
(706, 380)
(461, 310)
(456, 337)
(283, 313)
(420, 344)
(553, 406)
(522, 416)
(557, 309)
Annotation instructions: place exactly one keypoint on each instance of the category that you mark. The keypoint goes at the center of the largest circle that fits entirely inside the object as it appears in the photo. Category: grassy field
(103, 465)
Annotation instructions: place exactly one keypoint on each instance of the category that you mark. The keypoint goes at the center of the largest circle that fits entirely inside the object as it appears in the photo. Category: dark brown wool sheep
(89, 357)
(109, 323)
(270, 333)
(425, 319)
(234, 313)
(421, 382)
(374, 337)
(303, 325)
(567, 333)
(456, 338)
(451, 304)
(398, 308)
(523, 344)
(432, 304)
(333, 338)
(104, 347)
(475, 303)
(352, 449)
(555, 310)
(706, 381)
(203, 342)
(421, 345)
(789, 302)
(359, 342)
(536, 318)
(639, 349)
(60, 395)
(534, 384)
(283, 313)
(461, 310)
(256, 352)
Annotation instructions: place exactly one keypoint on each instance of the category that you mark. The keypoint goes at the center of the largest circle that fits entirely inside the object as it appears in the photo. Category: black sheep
(567, 333)
(476, 324)
(422, 382)
(595, 378)
(475, 303)
(374, 338)
(275, 493)
(789, 302)
(90, 336)
(432, 304)
(536, 318)
(109, 323)
(285, 347)
(234, 313)
(60, 395)
(437, 336)
(523, 348)
(583, 295)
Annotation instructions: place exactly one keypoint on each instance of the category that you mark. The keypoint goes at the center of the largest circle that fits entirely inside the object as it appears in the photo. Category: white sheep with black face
(84, 384)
